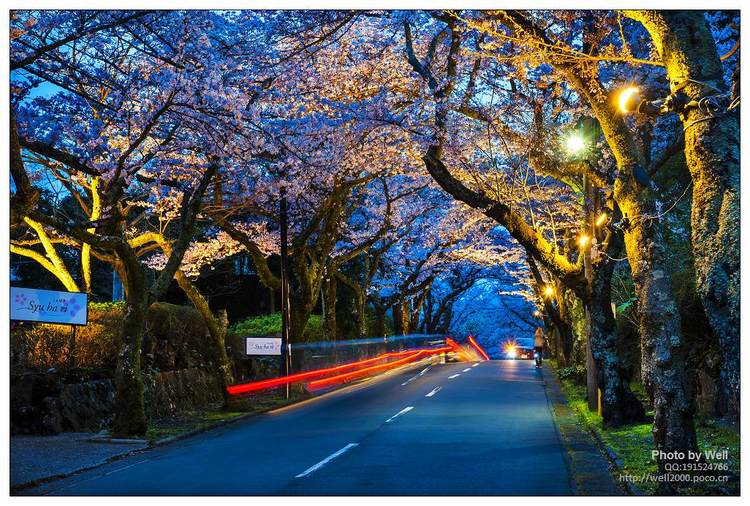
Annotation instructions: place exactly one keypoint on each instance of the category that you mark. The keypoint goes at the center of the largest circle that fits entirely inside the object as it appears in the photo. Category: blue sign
(48, 306)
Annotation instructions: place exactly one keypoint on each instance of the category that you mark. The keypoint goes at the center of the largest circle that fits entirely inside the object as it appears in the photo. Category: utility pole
(284, 229)
(592, 375)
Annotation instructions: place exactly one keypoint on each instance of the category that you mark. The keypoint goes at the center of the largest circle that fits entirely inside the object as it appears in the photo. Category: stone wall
(41, 403)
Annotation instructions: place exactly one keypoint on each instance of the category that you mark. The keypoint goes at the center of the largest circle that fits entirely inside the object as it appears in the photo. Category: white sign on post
(49, 306)
(263, 345)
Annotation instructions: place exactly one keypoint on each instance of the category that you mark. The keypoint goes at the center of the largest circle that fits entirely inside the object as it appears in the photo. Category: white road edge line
(326, 460)
(416, 376)
(434, 391)
(125, 467)
(467, 369)
(454, 376)
(405, 410)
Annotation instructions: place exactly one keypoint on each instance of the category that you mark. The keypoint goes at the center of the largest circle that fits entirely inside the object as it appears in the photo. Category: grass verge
(633, 443)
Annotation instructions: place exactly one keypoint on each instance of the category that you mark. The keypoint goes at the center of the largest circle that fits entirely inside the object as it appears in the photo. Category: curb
(185, 435)
(55, 477)
(616, 462)
(566, 454)
(576, 456)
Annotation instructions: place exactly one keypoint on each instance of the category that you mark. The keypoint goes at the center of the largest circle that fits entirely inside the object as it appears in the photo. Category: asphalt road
(456, 429)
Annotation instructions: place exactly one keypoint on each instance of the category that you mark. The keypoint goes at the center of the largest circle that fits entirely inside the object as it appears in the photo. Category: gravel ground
(37, 457)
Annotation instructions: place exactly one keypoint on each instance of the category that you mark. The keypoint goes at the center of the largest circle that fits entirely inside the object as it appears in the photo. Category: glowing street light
(583, 240)
(575, 143)
(537, 314)
(630, 99)
(549, 291)
(601, 219)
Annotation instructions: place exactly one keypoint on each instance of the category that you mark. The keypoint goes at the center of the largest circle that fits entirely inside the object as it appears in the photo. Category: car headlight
(511, 353)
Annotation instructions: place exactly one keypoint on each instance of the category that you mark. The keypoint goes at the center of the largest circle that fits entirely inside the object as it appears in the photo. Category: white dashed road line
(467, 369)
(476, 364)
(416, 376)
(405, 410)
(434, 391)
(326, 460)
(454, 376)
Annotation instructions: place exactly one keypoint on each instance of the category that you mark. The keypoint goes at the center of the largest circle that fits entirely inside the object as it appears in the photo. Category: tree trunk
(360, 313)
(712, 150)
(217, 329)
(619, 405)
(416, 312)
(445, 321)
(298, 318)
(329, 299)
(129, 410)
(379, 320)
(662, 347)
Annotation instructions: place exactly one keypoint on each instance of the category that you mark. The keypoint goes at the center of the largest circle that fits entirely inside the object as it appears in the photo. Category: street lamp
(584, 240)
(630, 100)
(601, 219)
(575, 143)
(549, 291)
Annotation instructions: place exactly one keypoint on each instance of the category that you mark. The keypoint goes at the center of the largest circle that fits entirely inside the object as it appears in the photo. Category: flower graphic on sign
(21, 300)
(74, 306)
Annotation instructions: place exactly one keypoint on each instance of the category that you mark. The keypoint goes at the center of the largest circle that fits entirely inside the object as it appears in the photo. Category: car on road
(518, 348)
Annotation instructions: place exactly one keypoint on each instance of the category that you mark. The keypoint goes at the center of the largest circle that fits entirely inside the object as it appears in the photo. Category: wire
(660, 215)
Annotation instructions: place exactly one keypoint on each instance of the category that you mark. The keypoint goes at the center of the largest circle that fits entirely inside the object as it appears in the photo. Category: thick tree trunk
(619, 405)
(360, 313)
(129, 410)
(299, 315)
(712, 151)
(401, 318)
(360, 301)
(662, 347)
(26, 195)
(217, 329)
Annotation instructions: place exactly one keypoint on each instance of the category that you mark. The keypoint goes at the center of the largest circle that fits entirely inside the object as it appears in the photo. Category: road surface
(479, 428)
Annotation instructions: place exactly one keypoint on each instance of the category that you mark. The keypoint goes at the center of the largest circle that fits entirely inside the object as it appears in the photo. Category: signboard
(263, 345)
(48, 306)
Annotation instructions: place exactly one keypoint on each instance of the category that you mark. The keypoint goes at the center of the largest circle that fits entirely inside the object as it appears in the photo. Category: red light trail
(351, 375)
(275, 382)
(478, 348)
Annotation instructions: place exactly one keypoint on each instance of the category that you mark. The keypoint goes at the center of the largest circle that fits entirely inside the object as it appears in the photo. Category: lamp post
(576, 145)
(284, 230)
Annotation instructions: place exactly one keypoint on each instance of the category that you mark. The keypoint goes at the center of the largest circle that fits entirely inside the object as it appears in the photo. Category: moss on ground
(633, 443)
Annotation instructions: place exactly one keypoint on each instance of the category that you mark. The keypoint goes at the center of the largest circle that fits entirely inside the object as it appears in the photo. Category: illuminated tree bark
(216, 325)
(712, 152)
(619, 405)
(96, 211)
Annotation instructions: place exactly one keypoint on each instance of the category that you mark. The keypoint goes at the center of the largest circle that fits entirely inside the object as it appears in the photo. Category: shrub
(40, 346)
(44, 345)
(575, 373)
(269, 324)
